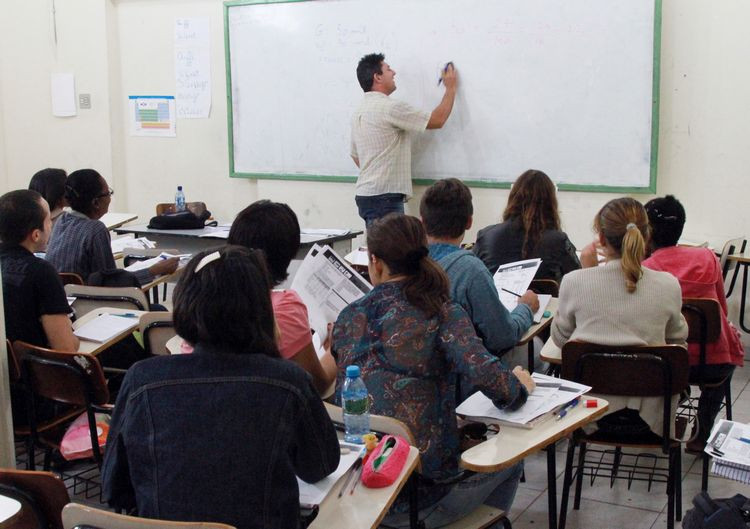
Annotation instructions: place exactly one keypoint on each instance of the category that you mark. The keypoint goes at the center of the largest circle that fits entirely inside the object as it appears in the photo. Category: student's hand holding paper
(524, 378)
(166, 266)
(531, 299)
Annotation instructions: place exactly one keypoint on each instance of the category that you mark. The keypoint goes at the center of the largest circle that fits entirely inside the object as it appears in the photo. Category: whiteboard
(566, 86)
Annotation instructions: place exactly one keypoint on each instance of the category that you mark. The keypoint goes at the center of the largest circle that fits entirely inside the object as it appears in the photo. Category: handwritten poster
(192, 67)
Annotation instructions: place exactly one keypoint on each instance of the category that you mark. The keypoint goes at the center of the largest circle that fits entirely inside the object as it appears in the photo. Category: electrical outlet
(84, 101)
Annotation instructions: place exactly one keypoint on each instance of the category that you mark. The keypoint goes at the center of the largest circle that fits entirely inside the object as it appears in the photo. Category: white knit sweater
(595, 307)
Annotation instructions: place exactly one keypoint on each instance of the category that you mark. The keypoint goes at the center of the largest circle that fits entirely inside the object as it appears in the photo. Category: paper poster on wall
(192, 63)
(63, 91)
(152, 116)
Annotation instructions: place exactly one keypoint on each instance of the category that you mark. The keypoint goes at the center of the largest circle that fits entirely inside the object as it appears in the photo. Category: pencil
(355, 467)
(510, 292)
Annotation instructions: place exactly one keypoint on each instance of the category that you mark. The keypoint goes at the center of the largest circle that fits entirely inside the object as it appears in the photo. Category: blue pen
(445, 70)
(745, 440)
(126, 315)
(569, 406)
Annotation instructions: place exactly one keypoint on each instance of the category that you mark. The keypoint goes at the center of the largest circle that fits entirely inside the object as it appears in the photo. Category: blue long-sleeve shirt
(472, 287)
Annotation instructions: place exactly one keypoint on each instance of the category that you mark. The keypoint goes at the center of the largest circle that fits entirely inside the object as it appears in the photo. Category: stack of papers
(146, 263)
(141, 243)
(106, 326)
(219, 232)
(512, 280)
(314, 493)
(327, 284)
(729, 445)
(357, 257)
(550, 395)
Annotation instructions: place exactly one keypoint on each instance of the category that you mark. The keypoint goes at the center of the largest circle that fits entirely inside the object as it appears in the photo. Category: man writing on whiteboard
(381, 145)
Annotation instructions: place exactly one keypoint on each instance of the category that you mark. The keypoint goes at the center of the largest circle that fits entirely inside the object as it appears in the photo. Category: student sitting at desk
(36, 309)
(530, 229)
(273, 228)
(446, 212)
(80, 242)
(50, 183)
(219, 434)
(621, 303)
(699, 274)
(411, 343)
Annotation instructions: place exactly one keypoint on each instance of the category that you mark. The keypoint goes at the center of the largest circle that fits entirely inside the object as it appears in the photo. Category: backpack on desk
(194, 217)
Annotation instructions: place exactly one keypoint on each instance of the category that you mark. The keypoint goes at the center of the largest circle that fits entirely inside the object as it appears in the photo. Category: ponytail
(633, 251)
(400, 241)
(624, 224)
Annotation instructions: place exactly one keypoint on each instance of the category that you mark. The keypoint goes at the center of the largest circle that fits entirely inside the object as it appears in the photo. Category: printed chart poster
(152, 116)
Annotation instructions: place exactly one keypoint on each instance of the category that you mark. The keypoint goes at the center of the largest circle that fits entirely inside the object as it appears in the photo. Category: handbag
(194, 217)
(719, 513)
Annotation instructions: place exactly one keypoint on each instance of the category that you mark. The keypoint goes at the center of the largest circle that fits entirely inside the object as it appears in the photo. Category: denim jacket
(219, 437)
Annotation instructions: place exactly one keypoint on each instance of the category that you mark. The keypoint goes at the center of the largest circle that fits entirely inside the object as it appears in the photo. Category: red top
(699, 274)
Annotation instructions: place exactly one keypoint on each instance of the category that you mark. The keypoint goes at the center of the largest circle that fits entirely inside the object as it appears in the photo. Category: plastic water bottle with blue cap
(179, 200)
(355, 402)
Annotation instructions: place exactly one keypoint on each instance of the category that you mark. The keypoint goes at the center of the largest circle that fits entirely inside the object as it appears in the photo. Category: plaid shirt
(382, 144)
(83, 246)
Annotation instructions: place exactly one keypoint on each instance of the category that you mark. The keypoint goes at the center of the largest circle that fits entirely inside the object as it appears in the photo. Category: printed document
(327, 284)
(105, 327)
(314, 493)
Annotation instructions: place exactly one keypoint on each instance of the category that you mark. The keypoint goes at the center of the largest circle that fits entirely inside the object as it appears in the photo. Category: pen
(355, 467)
(126, 315)
(745, 440)
(564, 411)
(357, 479)
(445, 69)
(510, 292)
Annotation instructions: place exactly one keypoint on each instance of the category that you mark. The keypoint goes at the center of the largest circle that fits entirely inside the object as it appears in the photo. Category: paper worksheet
(315, 493)
(105, 326)
(515, 278)
(146, 263)
(326, 283)
(550, 393)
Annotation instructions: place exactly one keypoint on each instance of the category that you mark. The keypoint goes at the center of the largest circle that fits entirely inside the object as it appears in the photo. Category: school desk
(10, 508)
(512, 445)
(115, 220)
(94, 348)
(743, 261)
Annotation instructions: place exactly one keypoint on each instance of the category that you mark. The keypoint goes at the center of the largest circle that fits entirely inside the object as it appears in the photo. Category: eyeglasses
(109, 193)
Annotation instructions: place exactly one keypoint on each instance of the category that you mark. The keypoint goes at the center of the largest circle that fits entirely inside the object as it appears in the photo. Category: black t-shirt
(31, 289)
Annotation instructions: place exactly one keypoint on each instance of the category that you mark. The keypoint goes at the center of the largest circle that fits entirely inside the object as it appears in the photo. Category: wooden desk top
(366, 507)
(94, 348)
(115, 220)
(551, 353)
(739, 258)
(513, 444)
(536, 328)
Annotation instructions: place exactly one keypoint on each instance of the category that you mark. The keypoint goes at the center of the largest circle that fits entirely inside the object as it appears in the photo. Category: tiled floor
(617, 507)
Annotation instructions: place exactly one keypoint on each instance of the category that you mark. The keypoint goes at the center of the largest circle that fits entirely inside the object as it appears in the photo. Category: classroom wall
(120, 48)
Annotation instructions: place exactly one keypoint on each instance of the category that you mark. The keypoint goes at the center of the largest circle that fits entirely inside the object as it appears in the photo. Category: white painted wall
(118, 48)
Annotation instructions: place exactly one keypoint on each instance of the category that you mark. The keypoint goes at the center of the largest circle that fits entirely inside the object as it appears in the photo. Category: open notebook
(105, 327)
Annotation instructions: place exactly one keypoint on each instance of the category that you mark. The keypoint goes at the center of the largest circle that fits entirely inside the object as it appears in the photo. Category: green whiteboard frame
(655, 84)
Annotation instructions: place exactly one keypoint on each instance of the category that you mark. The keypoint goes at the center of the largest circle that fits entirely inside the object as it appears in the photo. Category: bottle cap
(179, 188)
(352, 371)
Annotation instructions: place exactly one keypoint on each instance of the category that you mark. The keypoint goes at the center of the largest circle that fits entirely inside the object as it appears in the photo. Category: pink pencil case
(384, 465)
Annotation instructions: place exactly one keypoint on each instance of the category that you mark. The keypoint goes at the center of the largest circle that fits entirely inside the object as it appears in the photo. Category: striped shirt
(83, 246)
(382, 144)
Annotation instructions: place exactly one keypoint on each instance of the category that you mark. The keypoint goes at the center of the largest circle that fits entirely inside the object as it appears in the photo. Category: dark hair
(82, 188)
(227, 302)
(271, 227)
(624, 224)
(368, 66)
(21, 212)
(667, 218)
(50, 183)
(446, 208)
(533, 202)
(400, 241)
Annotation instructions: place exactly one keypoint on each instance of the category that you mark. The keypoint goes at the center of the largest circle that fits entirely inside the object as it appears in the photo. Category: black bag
(720, 513)
(113, 278)
(194, 217)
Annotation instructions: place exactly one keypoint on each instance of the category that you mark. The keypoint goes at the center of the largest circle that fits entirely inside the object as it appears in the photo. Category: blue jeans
(374, 207)
(497, 489)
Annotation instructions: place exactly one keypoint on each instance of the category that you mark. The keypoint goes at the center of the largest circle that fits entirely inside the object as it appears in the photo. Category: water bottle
(356, 405)
(179, 200)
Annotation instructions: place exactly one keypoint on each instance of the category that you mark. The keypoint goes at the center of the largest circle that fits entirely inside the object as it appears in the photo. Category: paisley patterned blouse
(410, 365)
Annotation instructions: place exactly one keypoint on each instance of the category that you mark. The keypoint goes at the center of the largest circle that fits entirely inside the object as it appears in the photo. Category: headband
(207, 259)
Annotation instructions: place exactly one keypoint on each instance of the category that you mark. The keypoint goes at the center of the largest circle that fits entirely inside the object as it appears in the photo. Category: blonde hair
(624, 223)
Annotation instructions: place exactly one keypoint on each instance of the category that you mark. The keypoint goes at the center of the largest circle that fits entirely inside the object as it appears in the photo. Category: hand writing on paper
(531, 299)
(524, 378)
